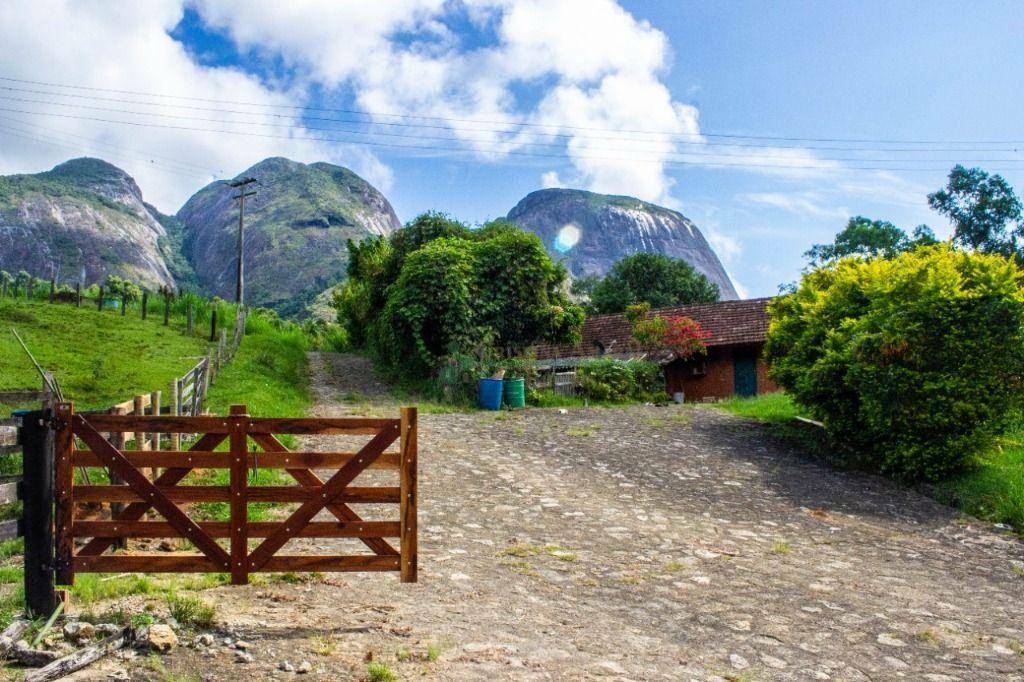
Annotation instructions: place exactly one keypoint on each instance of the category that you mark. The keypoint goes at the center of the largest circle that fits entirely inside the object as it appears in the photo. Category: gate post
(407, 469)
(37, 516)
(64, 443)
(239, 516)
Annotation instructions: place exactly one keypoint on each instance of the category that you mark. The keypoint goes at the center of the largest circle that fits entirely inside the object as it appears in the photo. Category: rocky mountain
(81, 221)
(591, 231)
(296, 230)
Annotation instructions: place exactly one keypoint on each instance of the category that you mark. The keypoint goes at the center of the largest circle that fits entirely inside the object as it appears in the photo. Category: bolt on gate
(161, 493)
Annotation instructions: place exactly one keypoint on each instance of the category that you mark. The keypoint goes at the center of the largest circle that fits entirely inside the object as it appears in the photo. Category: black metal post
(36, 440)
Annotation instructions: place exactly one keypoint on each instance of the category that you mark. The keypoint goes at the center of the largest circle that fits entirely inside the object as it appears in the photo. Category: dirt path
(639, 544)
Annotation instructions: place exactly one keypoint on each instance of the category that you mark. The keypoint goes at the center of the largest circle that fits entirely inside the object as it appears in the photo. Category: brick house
(733, 364)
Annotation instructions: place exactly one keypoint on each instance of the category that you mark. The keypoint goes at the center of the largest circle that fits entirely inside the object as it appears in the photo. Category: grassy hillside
(99, 358)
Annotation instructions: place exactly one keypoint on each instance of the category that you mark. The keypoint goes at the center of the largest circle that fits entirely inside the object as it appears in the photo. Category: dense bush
(436, 288)
(430, 309)
(618, 380)
(913, 363)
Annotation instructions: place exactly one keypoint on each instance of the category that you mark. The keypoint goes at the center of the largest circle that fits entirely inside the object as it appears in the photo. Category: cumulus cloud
(127, 46)
(596, 68)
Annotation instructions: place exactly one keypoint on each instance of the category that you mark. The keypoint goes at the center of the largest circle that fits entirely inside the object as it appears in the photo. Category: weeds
(380, 672)
(323, 645)
(191, 611)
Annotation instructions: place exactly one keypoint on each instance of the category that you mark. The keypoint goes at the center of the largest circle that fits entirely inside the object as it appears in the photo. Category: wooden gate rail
(79, 441)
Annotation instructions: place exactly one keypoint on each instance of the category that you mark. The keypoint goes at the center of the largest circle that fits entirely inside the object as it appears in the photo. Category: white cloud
(804, 203)
(596, 67)
(127, 46)
(550, 179)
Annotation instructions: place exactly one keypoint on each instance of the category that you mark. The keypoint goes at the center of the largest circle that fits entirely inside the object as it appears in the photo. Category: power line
(519, 143)
(504, 131)
(117, 148)
(364, 112)
(14, 132)
(824, 165)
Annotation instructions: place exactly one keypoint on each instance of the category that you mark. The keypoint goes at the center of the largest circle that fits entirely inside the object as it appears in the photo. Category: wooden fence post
(99, 300)
(175, 411)
(145, 304)
(206, 385)
(117, 439)
(154, 438)
(124, 304)
(167, 307)
(78, 294)
(139, 410)
(53, 289)
(239, 517)
(213, 325)
(37, 444)
(407, 470)
(64, 482)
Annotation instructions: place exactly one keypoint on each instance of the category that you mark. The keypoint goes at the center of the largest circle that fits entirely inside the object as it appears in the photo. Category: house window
(699, 369)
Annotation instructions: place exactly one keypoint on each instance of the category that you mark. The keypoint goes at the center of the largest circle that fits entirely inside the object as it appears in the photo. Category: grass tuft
(191, 611)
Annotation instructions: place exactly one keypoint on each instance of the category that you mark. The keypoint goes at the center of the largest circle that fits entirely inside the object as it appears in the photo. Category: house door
(744, 375)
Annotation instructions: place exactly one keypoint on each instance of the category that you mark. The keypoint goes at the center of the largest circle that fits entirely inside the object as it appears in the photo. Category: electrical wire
(364, 112)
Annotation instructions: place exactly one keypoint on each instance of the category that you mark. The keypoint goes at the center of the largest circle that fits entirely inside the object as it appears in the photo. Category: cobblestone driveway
(644, 544)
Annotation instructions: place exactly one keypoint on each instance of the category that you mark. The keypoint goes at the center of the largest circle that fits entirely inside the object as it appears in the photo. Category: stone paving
(644, 543)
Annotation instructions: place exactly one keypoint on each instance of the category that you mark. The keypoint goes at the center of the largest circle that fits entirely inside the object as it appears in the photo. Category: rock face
(295, 231)
(81, 221)
(609, 227)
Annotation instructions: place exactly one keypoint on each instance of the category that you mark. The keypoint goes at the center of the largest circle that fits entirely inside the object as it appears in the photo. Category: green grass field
(99, 357)
(993, 490)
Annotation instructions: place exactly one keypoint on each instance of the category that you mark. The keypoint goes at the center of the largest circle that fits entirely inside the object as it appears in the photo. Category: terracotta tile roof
(730, 323)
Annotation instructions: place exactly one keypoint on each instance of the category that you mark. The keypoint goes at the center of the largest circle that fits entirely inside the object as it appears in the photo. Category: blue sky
(585, 71)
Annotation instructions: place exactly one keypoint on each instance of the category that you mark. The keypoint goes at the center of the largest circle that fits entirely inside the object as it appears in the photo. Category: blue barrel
(515, 393)
(490, 393)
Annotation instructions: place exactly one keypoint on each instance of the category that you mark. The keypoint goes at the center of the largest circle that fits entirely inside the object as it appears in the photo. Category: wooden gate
(160, 492)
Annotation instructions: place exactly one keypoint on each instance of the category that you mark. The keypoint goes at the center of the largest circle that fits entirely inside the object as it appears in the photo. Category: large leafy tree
(652, 278)
(985, 212)
(520, 298)
(865, 237)
(437, 288)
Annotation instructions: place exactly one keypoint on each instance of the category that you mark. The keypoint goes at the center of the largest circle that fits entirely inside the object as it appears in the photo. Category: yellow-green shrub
(913, 363)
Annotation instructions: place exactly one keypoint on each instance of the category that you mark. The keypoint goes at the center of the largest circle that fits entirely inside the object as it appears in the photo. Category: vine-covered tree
(652, 278)
(437, 288)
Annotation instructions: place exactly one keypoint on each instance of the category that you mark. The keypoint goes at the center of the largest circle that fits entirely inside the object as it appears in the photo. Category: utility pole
(242, 194)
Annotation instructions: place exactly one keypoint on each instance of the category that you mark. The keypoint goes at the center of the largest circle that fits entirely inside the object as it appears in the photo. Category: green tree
(652, 278)
(6, 280)
(913, 363)
(519, 290)
(419, 232)
(122, 288)
(363, 295)
(865, 237)
(430, 308)
(985, 212)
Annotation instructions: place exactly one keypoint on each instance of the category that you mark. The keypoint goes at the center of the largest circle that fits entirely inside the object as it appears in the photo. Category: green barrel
(515, 393)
